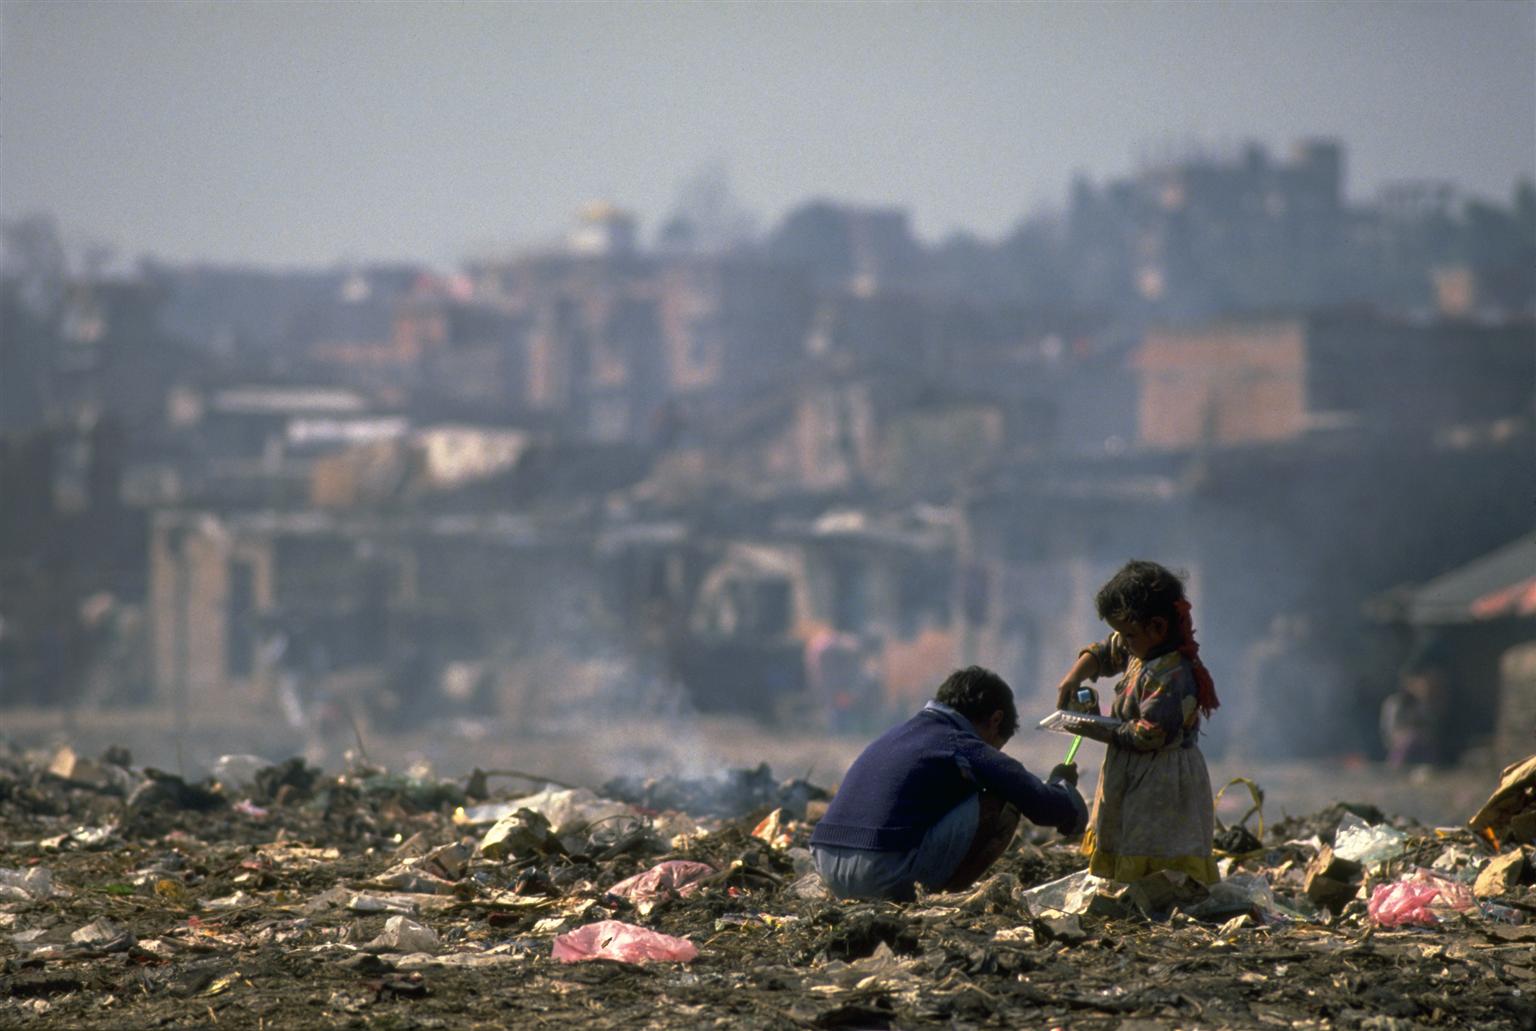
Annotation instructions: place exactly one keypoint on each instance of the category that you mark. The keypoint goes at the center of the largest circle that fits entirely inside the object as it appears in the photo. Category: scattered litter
(357, 892)
(624, 943)
(36, 883)
(772, 830)
(1069, 894)
(381, 904)
(239, 900)
(1418, 898)
(679, 877)
(237, 773)
(402, 934)
(521, 833)
(573, 809)
(485, 814)
(1510, 812)
(1366, 843)
(1501, 875)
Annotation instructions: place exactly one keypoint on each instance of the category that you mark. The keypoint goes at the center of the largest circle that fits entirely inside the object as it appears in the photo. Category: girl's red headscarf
(1205, 687)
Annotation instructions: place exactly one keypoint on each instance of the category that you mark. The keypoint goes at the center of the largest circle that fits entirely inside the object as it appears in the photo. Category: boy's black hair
(1140, 591)
(976, 693)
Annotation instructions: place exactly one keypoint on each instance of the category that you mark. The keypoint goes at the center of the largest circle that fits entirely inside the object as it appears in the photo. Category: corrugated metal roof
(1499, 585)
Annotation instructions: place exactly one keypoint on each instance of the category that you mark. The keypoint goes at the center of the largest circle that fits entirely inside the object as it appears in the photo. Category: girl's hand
(1066, 691)
(1085, 667)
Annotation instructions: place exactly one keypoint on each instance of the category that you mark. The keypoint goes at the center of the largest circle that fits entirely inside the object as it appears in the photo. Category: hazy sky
(305, 133)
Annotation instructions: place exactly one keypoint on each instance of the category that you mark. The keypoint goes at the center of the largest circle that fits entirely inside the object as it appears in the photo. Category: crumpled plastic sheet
(566, 808)
(675, 876)
(1414, 900)
(1367, 843)
(1069, 894)
(25, 885)
(623, 943)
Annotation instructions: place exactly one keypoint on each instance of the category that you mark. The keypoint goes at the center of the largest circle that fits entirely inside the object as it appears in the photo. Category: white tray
(1063, 722)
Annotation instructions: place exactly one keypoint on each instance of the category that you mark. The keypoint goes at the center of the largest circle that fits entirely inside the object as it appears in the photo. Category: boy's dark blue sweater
(910, 777)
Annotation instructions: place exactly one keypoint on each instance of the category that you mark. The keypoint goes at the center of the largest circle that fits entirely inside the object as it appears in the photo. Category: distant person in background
(935, 801)
(1413, 716)
(1153, 808)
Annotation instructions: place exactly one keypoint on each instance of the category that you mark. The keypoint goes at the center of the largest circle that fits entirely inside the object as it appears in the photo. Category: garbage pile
(276, 894)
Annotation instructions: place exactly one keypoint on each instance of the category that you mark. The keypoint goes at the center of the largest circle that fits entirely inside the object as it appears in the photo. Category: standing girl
(1152, 809)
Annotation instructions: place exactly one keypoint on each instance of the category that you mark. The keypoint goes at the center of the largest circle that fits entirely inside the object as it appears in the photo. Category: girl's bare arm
(1085, 668)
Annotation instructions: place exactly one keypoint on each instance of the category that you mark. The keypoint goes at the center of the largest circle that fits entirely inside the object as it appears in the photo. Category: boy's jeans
(858, 873)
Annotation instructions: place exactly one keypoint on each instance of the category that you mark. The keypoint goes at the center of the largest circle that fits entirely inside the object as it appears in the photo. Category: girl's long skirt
(1152, 811)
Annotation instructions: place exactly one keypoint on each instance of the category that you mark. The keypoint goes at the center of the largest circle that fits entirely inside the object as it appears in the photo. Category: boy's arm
(1056, 804)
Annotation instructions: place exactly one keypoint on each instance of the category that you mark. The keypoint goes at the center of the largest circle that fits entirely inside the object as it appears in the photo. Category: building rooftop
(1500, 585)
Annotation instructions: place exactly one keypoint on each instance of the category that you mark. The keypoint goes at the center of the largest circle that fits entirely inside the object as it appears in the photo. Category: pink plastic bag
(679, 876)
(1414, 899)
(624, 943)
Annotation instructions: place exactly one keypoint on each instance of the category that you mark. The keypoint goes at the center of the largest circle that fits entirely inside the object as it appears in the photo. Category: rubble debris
(365, 899)
(521, 833)
(736, 793)
(570, 810)
(402, 934)
(1510, 812)
(771, 829)
(1156, 894)
(36, 883)
(1331, 880)
(285, 783)
(1501, 875)
(236, 774)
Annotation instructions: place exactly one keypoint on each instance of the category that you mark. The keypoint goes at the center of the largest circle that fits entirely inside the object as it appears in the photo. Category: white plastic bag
(1367, 843)
(1069, 894)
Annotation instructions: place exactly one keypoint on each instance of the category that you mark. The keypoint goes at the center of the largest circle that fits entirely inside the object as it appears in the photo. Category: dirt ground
(304, 897)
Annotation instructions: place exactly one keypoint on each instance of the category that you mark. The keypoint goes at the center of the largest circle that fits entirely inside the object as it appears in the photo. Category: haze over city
(306, 134)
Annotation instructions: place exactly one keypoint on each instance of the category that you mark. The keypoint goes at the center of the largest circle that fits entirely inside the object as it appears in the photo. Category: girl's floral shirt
(1156, 697)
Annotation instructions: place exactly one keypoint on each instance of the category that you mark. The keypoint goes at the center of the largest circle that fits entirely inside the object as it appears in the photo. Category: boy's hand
(1065, 692)
(1066, 772)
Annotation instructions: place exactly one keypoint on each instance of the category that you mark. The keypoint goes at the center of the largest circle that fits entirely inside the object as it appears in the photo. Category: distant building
(849, 248)
(1268, 380)
(614, 337)
(603, 231)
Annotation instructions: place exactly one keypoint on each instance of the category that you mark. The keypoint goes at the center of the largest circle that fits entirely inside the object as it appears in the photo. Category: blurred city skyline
(310, 134)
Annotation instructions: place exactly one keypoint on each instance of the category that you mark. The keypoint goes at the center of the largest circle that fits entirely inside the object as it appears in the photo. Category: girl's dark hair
(1140, 591)
(976, 693)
